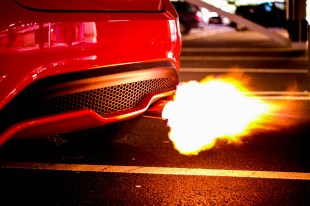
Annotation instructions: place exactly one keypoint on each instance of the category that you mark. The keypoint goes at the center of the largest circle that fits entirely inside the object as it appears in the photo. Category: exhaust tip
(156, 109)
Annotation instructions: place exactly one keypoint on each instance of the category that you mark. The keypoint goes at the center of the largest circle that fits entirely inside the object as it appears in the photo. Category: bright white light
(245, 2)
(216, 3)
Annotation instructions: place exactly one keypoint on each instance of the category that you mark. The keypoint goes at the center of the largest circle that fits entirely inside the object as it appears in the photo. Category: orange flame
(202, 112)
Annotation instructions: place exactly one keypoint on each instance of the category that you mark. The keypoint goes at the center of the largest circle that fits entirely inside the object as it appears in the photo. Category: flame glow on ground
(218, 108)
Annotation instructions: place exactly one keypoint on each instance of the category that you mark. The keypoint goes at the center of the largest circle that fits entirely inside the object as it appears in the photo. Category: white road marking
(306, 93)
(243, 70)
(201, 35)
(281, 95)
(156, 170)
(300, 98)
(235, 49)
(249, 58)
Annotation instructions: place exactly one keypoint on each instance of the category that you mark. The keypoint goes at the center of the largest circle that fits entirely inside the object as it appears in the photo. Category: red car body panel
(106, 5)
(40, 40)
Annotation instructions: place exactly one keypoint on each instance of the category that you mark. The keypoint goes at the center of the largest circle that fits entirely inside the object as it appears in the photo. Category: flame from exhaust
(216, 108)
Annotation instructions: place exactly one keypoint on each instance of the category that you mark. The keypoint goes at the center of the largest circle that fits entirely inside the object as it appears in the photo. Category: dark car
(91, 65)
(190, 16)
(267, 14)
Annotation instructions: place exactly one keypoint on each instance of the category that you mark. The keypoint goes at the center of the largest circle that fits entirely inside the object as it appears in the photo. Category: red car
(69, 66)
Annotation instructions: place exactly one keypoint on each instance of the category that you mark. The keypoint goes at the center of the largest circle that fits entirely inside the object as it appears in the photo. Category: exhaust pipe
(156, 109)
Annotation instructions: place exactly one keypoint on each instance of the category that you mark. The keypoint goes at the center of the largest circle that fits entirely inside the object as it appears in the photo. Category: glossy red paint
(42, 39)
(91, 5)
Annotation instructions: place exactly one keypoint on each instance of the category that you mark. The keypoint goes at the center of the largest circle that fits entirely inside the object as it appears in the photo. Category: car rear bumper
(87, 99)
(76, 120)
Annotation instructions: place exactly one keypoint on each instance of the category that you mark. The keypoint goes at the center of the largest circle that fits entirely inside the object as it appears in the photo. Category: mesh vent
(107, 100)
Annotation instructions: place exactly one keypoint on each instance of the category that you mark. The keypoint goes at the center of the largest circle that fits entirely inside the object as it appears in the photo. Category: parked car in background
(190, 16)
(215, 18)
(267, 14)
(92, 66)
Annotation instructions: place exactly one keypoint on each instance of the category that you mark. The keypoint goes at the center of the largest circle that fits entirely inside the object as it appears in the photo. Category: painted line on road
(156, 170)
(300, 98)
(202, 34)
(243, 70)
(241, 49)
(242, 58)
(197, 35)
(280, 95)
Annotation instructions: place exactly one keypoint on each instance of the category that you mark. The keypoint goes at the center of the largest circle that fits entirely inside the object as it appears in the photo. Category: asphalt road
(143, 168)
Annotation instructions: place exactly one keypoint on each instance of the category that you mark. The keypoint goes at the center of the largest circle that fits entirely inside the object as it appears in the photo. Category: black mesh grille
(107, 100)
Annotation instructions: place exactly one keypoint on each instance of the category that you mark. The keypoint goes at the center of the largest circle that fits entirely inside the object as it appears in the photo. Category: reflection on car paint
(30, 36)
